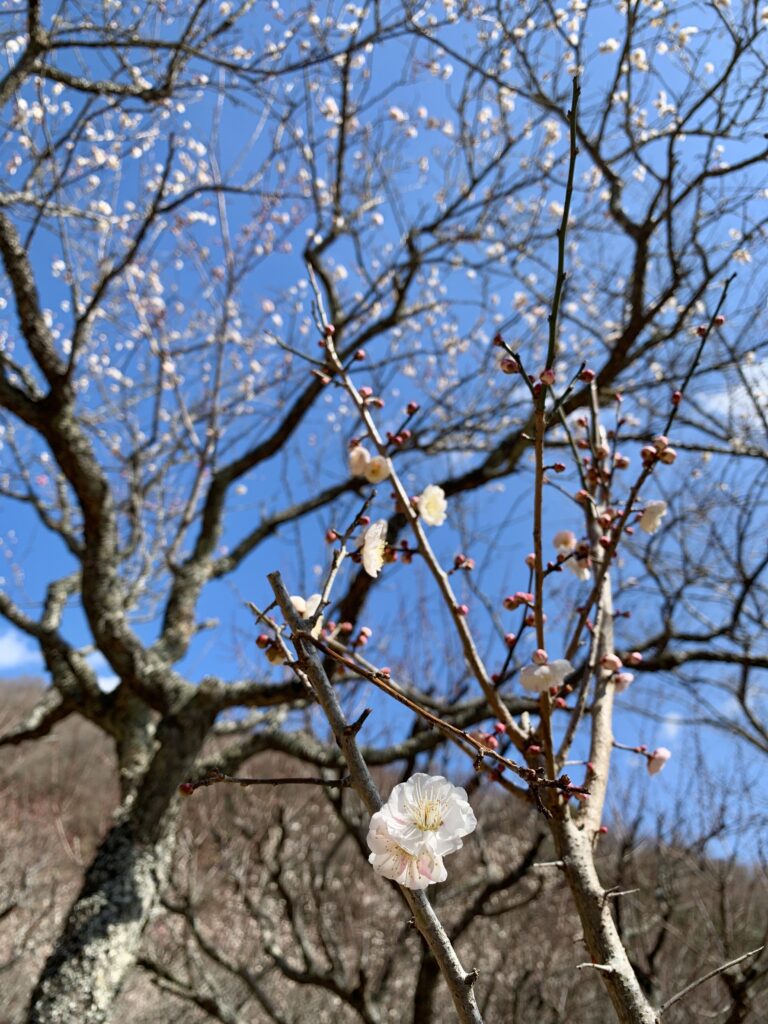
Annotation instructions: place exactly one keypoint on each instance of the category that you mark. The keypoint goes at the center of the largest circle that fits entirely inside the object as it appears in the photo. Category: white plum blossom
(423, 821)
(359, 458)
(565, 544)
(432, 505)
(564, 541)
(580, 568)
(538, 678)
(684, 34)
(428, 809)
(376, 470)
(374, 545)
(388, 858)
(657, 759)
(306, 608)
(639, 59)
(609, 45)
(651, 518)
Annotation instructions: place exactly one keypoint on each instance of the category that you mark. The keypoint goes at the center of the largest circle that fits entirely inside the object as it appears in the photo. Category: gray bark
(102, 935)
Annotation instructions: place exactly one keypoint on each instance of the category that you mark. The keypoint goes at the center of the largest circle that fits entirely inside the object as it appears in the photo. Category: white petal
(374, 545)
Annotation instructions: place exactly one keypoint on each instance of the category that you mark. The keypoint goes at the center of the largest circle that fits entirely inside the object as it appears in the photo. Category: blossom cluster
(423, 821)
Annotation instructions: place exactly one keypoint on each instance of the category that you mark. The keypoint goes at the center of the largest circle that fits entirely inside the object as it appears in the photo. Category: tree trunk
(102, 934)
(573, 845)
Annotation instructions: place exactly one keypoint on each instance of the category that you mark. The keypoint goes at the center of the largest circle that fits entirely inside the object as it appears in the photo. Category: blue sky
(236, 132)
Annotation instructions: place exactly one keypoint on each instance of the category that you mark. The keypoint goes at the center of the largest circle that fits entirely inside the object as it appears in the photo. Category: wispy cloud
(18, 653)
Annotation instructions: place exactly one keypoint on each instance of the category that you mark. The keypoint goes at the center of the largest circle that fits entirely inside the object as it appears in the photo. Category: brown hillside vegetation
(274, 914)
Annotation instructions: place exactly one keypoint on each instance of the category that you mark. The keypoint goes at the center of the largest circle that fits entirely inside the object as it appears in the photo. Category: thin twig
(214, 776)
(700, 981)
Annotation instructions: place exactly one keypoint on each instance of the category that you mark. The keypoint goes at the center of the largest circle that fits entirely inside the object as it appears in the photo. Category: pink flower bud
(701, 330)
(547, 377)
(603, 830)
(648, 454)
(582, 496)
(509, 639)
(187, 788)
(660, 442)
(622, 681)
(540, 657)
(587, 376)
(560, 702)
(677, 397)
(263, 640)
(366, 631)
(634, 658)
(611, 662)
(386, 672)
(515, 600)
(533, 749)
(366, 392)
(331, 536)
(509, 365)
(657, 759)
(620, 461)
(462, 609)
(412, 408)
(499, 727)
(491, 742)
(364, 520)
(559, 467)
(590, 767)
(530, 561)
(668, 456)
(719, 320)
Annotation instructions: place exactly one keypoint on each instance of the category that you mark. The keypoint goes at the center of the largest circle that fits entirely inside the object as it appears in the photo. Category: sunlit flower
(374, 545)
(657, 759)
(580, 567)
(538, 678)
(426, 811)
(564, 541)
(359, 459)
(651, 518)
(306, 608)
(388, 858)
(609, 45)
(639, 59)
(684, 34)
(622, 681)
(432, 505)
(376, 470)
